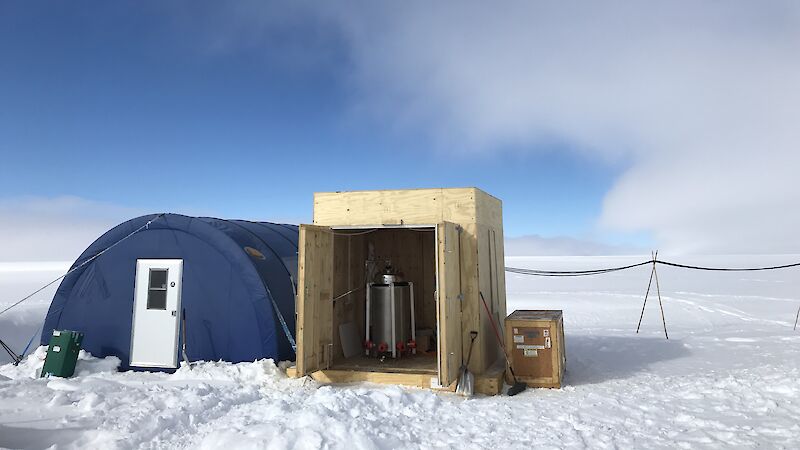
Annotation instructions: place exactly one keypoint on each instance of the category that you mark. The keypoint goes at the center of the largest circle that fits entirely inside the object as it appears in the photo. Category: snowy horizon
(622, 389)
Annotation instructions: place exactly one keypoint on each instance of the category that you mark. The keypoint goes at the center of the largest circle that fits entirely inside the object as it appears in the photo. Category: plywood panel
(412, 206)
(349, 285)
(499, 273)
(449, 307)
(470, 287)
(492, 285)
(488, 210)
(491, 266)
(458, 206)
(486, 342)
(314, 305)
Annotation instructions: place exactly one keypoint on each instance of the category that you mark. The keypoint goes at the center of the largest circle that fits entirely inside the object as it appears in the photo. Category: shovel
(466, 380)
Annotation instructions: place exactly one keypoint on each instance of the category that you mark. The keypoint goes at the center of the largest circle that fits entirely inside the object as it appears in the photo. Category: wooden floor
(418, 371)
(421, 363)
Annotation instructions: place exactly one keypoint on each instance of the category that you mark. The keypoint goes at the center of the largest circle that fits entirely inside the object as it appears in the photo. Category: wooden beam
(393, 207)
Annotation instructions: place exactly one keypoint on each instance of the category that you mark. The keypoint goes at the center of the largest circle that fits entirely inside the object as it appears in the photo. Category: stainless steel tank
(381, 312)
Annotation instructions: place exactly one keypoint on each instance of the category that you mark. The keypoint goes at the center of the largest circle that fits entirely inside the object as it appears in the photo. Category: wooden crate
(535, 343)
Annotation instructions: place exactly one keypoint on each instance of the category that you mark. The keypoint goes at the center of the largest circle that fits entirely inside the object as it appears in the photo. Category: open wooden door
(314, 299)
(449, 301)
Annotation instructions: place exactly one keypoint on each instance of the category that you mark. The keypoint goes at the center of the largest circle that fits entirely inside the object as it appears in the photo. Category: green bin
(62, 353)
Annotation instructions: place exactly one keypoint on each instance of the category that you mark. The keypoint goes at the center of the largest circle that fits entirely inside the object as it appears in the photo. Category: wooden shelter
(448, 243)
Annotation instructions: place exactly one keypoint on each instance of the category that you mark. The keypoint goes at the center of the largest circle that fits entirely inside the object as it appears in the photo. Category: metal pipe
(392, 308)
(413, 323)
(366, 330)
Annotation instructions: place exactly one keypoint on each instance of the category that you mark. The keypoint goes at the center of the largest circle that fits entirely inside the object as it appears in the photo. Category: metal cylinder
(382, 314)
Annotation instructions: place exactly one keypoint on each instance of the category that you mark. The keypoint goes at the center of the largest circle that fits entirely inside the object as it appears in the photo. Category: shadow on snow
(595, 359)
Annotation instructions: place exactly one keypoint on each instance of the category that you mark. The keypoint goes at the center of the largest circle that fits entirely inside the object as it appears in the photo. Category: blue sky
(117, 104)
(245, 110)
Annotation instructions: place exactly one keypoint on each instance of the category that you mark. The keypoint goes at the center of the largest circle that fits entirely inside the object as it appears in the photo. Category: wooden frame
(468, 260)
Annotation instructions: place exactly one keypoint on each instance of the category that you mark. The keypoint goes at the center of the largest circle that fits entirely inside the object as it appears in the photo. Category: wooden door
(314, 298)
(450, 297)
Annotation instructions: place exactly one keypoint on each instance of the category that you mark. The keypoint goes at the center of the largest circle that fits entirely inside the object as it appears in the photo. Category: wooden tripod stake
(653, 274)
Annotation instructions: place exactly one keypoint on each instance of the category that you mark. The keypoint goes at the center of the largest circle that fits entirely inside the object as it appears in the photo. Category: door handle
(174, 313)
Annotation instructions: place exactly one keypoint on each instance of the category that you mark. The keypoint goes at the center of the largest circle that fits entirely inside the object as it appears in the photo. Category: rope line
(83, 263)
(16, 358)
(572, 273)
(578, 273)
(728, 269)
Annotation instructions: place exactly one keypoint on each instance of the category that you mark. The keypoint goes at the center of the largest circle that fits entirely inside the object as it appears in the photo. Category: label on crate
(519, 339)
(530, 347)
(56, 348)
(516, 330)
(547, 342)
(530, 352)
(546, 332)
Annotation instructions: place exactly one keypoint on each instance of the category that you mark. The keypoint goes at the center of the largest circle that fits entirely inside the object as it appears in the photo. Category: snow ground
(728, 376)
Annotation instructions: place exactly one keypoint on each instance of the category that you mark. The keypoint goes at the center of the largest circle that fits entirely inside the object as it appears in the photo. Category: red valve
(412, 344)
(383, 347)
(369, 345)
(401, 346)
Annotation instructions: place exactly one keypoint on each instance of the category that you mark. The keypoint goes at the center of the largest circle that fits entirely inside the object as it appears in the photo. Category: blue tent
(232, 273)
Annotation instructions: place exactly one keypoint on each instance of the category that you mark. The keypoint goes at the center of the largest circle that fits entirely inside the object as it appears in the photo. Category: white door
(156, 313)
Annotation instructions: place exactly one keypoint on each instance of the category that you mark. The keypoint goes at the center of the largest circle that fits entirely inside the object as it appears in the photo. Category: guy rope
(654, 261)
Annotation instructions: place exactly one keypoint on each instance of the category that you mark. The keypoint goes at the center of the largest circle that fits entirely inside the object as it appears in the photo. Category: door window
(157, 289)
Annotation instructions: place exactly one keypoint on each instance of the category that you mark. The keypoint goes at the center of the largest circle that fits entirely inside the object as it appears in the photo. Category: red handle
(491, 320)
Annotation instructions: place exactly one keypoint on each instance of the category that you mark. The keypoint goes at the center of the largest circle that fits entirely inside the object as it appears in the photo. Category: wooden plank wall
(491, 268)
(500, 265)
(492, 285)
(348, 273)
(411, 252)
(482, 271)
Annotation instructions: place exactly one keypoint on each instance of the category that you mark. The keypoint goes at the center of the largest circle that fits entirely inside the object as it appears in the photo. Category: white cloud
(700, 99)
(61, 228)
(534, 245)
(54, 228)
